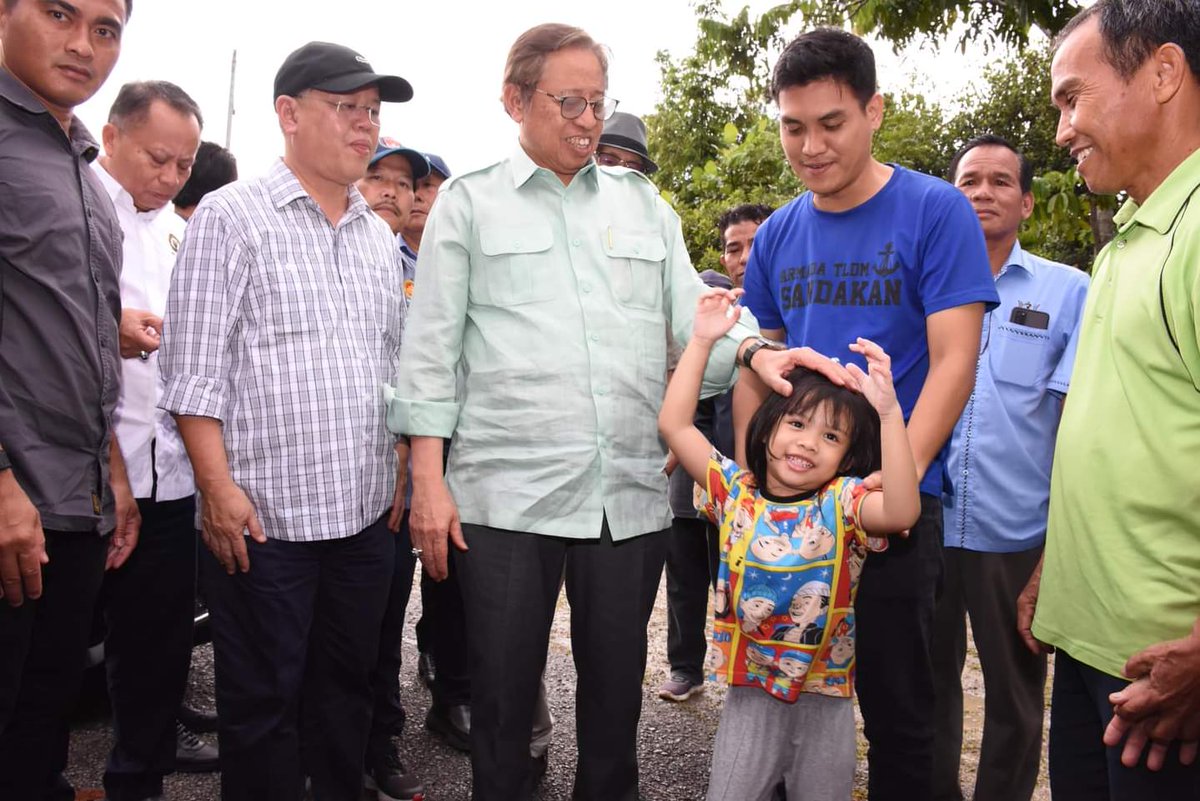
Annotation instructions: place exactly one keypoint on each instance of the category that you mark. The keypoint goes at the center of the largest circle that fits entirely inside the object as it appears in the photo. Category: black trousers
(444, 626)
(985, 586)
(511, 583)
(692, 559)
(894, 614)
(149, 604)
(387, 714)
(42, 646)
(1082, 768)
(295, 641)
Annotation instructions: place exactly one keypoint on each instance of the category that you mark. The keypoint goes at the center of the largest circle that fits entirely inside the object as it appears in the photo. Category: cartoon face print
(809, 602)
(743, 517)
(841, 650)
(816, 541)
(794, 664)
(830, 685)
(714, 661)
(760, 655)
(757, 604)
(771, 548)
(841, 645)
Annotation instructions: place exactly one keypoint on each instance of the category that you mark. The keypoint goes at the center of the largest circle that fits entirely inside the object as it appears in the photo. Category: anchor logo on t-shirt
(886, 267)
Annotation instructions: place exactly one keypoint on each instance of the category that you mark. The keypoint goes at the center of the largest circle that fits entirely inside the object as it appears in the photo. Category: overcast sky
(451, 51)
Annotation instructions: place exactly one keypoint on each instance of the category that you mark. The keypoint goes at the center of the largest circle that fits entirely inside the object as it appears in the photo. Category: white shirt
(150, 442)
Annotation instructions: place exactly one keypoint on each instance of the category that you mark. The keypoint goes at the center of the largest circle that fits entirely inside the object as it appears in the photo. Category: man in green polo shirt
(1119, 593)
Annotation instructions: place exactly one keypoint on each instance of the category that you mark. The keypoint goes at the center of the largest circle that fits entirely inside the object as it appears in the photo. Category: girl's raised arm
(677, 416)
(897, 507)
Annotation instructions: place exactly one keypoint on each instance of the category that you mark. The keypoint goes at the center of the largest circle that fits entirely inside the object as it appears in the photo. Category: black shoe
(391, 780)
(452, 724)
(193, 755)
(426, 670)
(202, 721)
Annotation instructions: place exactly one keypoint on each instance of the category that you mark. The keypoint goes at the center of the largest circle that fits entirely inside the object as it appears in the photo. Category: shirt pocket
(517, 265)
(1019, 353)
(297, 300)
(635, 267)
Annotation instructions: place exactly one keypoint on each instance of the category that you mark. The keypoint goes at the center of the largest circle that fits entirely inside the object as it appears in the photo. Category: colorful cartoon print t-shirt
(784, 606)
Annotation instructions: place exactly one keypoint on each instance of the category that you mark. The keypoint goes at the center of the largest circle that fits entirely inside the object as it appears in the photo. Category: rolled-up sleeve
(424, 402)
(202, 310)
(684, 288)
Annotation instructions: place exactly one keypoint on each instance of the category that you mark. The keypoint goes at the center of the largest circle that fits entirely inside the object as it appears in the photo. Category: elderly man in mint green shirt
(1118, 595)
(536, 344)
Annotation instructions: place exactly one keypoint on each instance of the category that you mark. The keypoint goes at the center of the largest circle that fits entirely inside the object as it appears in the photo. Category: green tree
(986, 23)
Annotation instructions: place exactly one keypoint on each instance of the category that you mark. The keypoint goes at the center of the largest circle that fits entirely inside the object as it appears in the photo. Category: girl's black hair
(810, 391)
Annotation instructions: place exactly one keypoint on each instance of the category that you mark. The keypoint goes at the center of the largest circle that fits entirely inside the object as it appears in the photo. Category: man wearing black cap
(623, 144)
(283, 320)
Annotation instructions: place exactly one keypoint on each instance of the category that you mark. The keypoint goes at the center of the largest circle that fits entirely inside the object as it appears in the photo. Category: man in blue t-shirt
(877, 251)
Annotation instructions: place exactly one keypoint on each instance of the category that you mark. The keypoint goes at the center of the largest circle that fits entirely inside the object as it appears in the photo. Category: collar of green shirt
(523, 168)
(1162, 207)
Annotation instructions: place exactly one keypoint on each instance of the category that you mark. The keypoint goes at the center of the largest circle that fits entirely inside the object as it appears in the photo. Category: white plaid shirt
(285, 328)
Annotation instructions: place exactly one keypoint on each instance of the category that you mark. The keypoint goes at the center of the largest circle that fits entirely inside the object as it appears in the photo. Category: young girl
(784, 638)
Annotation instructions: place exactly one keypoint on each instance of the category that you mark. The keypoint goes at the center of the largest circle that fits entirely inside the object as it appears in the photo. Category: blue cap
(715, 279)
(438, 164)
(388, 146)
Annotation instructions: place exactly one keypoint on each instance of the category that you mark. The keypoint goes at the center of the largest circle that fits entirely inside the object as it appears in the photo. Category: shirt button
(595, 337)
(601, 391)
(517, 244)
(1120, 244)
(575, 242)
(585, 287)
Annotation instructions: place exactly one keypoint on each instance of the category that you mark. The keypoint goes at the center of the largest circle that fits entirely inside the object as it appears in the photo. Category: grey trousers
(985, 586)
(761, 741)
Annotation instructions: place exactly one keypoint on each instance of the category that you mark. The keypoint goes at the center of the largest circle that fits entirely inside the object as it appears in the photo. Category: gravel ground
(674, 741)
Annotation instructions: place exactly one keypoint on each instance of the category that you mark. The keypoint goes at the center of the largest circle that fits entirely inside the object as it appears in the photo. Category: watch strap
(756, 346)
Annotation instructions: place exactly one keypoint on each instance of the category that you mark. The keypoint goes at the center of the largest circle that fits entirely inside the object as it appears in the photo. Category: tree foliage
(983, 22)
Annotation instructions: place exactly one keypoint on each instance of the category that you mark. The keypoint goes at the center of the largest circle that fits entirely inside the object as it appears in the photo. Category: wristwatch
(5, 462)
(757, 345)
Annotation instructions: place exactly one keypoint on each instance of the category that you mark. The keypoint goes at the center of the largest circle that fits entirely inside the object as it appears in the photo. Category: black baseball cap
(337, 69)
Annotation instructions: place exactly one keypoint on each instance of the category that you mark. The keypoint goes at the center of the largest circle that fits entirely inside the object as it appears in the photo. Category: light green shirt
(537, 338)
(1122, 565)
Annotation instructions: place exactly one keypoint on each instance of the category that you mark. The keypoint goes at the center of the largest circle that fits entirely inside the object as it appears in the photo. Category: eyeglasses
(611, 160)
(350, 111)
(572, 106)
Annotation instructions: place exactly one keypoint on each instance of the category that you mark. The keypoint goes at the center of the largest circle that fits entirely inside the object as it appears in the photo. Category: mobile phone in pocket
(1030, 318)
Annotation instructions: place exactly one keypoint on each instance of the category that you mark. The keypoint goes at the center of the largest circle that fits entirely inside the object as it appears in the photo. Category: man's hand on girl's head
(773, 367)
